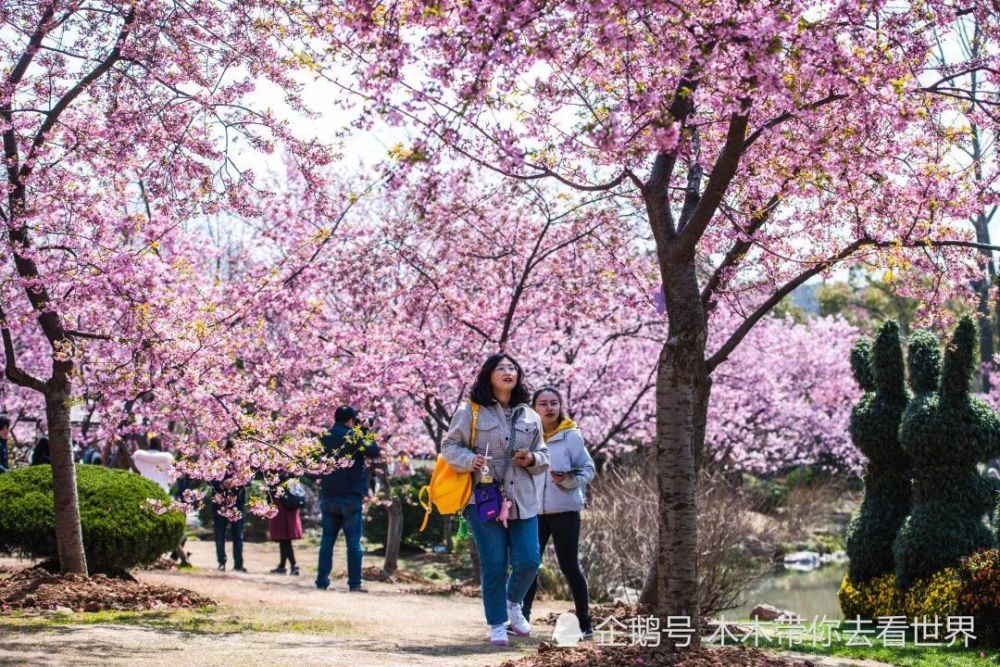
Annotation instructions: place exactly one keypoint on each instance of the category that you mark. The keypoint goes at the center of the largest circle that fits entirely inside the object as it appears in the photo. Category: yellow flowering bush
(876, 597)
(937, 595)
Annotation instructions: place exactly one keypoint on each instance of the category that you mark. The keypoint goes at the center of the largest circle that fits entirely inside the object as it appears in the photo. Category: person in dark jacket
(342, 493)
(226, 488)
(40, 454)
(4, 435)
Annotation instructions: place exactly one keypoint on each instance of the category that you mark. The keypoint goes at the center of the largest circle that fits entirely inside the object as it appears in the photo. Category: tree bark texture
(69, 535)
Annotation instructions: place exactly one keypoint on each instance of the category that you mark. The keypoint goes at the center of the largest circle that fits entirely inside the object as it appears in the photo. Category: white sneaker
(518, 623)
(498, 635)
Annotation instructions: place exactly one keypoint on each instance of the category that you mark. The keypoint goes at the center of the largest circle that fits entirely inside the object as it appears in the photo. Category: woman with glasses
(508, 452)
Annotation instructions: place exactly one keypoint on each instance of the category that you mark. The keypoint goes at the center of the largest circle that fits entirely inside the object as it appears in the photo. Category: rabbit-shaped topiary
(875, 431)
(945, 431)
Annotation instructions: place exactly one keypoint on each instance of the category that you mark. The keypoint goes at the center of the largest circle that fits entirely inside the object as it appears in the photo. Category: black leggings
(564, 528)
(286, 551)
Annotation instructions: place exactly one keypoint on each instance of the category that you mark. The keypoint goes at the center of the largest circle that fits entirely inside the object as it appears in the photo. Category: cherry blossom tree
(428, 284)
(120, 124)
(775, 407)
(764, 143)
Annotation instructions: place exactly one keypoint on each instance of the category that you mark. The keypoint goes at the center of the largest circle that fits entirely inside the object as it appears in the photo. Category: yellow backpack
(449, 489)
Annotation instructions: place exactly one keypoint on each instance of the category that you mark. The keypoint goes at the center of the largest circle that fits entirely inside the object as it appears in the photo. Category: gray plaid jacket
(519, 483)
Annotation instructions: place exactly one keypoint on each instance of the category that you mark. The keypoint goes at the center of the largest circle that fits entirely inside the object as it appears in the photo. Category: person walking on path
(508, 452)
(226, 489)
(561, 495)
(286, 525)
(342, 494)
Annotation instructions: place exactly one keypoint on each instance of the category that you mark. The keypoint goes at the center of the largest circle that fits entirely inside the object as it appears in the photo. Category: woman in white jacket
(561, 497)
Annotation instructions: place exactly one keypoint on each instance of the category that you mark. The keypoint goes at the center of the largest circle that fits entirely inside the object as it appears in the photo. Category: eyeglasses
(507, 369)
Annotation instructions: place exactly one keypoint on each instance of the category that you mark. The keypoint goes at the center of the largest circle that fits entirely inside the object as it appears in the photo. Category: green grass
(203, 621)
(905, 656)
(908, 656)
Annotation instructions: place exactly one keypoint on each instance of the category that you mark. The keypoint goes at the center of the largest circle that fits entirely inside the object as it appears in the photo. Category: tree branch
(778, 120)
(14, 374)
(737, 336)
(718, 183)
(83, 334)
(739, 249)
(52, 117)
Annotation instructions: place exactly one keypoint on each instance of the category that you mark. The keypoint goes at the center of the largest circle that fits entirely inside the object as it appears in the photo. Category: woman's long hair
(482, 389)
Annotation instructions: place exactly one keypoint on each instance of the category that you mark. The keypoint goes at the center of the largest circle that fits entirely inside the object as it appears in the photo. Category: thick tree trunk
(681, 399)
(394, 537)
(649, 596)
(985, 320)
(69, 536)
(677, 557)
(700, 424)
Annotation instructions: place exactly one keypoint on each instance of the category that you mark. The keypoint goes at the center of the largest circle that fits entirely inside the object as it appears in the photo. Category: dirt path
(276, 621)
(333, 627)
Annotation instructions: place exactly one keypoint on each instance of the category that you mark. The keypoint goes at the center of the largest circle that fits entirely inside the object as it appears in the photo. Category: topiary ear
(861, 364)
(887, 361)
(924, 360)
(960, 360)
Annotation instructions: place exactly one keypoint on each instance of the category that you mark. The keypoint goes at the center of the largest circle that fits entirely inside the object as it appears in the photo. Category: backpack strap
(424, 498)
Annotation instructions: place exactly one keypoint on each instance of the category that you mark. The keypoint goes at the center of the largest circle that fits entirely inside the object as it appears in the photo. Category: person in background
(154, 464)
(4, 436)
(40, 454)
(119, 455)
(92, 455)
(286, 525)
(561, 499)
(226, 488)
(342, 494)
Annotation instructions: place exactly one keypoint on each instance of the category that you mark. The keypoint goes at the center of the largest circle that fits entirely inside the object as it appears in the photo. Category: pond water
(809, 594)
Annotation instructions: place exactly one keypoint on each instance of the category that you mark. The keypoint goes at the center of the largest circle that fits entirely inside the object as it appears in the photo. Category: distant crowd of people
(150, 462)
(40, 451)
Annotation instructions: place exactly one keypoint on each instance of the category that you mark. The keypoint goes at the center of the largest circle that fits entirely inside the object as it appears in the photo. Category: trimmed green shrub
(945, 432)
(875, 422)
(406, 489)
(119, 530)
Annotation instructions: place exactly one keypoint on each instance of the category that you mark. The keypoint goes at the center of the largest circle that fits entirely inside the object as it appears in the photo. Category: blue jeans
(340, 512)
(219, 523)
(498, 546)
